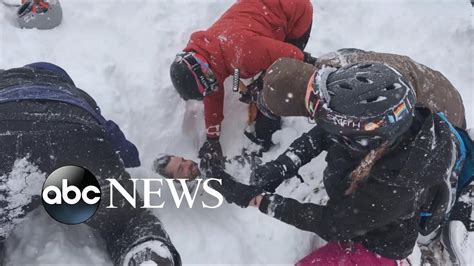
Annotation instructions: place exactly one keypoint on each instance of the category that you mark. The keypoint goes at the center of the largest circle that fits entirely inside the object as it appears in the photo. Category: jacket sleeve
(214, 113)
(260, 52)
(302, 151)
(127, 151)
(300, 17)
(370, 207)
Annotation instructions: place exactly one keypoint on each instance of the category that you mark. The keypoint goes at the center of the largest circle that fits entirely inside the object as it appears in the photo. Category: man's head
(192, 76)
(175, 167)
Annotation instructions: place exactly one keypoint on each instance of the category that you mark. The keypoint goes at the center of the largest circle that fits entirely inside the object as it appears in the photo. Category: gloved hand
(149, 251)
(232, 190)
(211, 154)
(309, 59)
(268, 176)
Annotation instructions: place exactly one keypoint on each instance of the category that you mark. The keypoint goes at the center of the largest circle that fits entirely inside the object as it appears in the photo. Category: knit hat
(284, 88)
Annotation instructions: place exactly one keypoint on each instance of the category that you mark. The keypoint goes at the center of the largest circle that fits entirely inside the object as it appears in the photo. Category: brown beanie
(284, 87)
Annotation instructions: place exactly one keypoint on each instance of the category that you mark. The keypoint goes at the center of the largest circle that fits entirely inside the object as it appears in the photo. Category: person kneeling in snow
(393, 169)
(288, 77)
(49, 122)
(249, 36)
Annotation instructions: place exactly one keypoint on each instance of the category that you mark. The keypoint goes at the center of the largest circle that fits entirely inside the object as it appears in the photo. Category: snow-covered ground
(119, 52)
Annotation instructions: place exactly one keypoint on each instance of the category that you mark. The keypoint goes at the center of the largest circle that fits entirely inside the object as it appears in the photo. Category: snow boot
(39, 14)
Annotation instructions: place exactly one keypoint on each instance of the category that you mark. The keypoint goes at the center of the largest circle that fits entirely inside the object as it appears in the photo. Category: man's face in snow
(180, 168)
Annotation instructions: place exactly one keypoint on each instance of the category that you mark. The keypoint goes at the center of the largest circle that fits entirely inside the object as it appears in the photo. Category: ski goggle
(203, 75)
(312, 98)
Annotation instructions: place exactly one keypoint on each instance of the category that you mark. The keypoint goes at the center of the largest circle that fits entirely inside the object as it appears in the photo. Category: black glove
(270, 175)
(211, 154)
(309, 59)
(233, 191)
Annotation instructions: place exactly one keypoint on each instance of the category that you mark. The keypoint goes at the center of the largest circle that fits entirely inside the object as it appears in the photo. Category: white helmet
(40, 14)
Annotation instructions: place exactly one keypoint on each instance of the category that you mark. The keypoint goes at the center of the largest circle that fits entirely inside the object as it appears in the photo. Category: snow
(120, 52)
(17, 189)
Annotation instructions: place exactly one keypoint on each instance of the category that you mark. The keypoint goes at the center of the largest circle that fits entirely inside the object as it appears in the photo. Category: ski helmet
(192, 76)
(40, 14)
(365, 99)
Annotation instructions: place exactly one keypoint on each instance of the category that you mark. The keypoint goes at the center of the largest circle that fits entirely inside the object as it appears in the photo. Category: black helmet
(365, 99)
(192, 77)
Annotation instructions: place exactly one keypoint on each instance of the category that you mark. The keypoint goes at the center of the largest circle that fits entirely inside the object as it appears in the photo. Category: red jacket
(250, 36)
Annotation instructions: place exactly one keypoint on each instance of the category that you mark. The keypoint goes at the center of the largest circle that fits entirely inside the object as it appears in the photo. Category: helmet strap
(320, 82)
(317, 90)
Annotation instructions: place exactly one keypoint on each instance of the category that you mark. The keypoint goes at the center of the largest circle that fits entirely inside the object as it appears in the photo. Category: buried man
(175, 167)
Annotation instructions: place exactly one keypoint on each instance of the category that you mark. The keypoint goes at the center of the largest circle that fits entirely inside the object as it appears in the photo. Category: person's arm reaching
(214, 113)
(270, 175)
(213, 116)
(370, 207)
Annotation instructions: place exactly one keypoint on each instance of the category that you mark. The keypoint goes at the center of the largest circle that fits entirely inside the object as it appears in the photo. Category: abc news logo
(72, 194)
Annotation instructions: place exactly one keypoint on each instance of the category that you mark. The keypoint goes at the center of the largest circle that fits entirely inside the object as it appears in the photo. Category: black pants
(264, 129)
(49, 135)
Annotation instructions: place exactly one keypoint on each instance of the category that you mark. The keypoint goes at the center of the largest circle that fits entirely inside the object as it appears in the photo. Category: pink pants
(342, 254)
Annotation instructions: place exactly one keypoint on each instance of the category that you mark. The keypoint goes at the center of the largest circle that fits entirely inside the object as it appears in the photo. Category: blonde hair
(362, 171)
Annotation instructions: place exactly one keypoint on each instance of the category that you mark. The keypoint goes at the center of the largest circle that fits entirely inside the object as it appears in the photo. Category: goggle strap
(196, 68)
(310, 93)
(196, 78)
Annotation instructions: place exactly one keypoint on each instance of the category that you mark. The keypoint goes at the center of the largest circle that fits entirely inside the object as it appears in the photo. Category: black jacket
(384, 212)
(52, 133)
(31, 85)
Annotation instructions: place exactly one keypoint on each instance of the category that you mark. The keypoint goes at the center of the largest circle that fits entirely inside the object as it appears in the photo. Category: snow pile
(120, 52)
(18, 189)
(22, 183)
